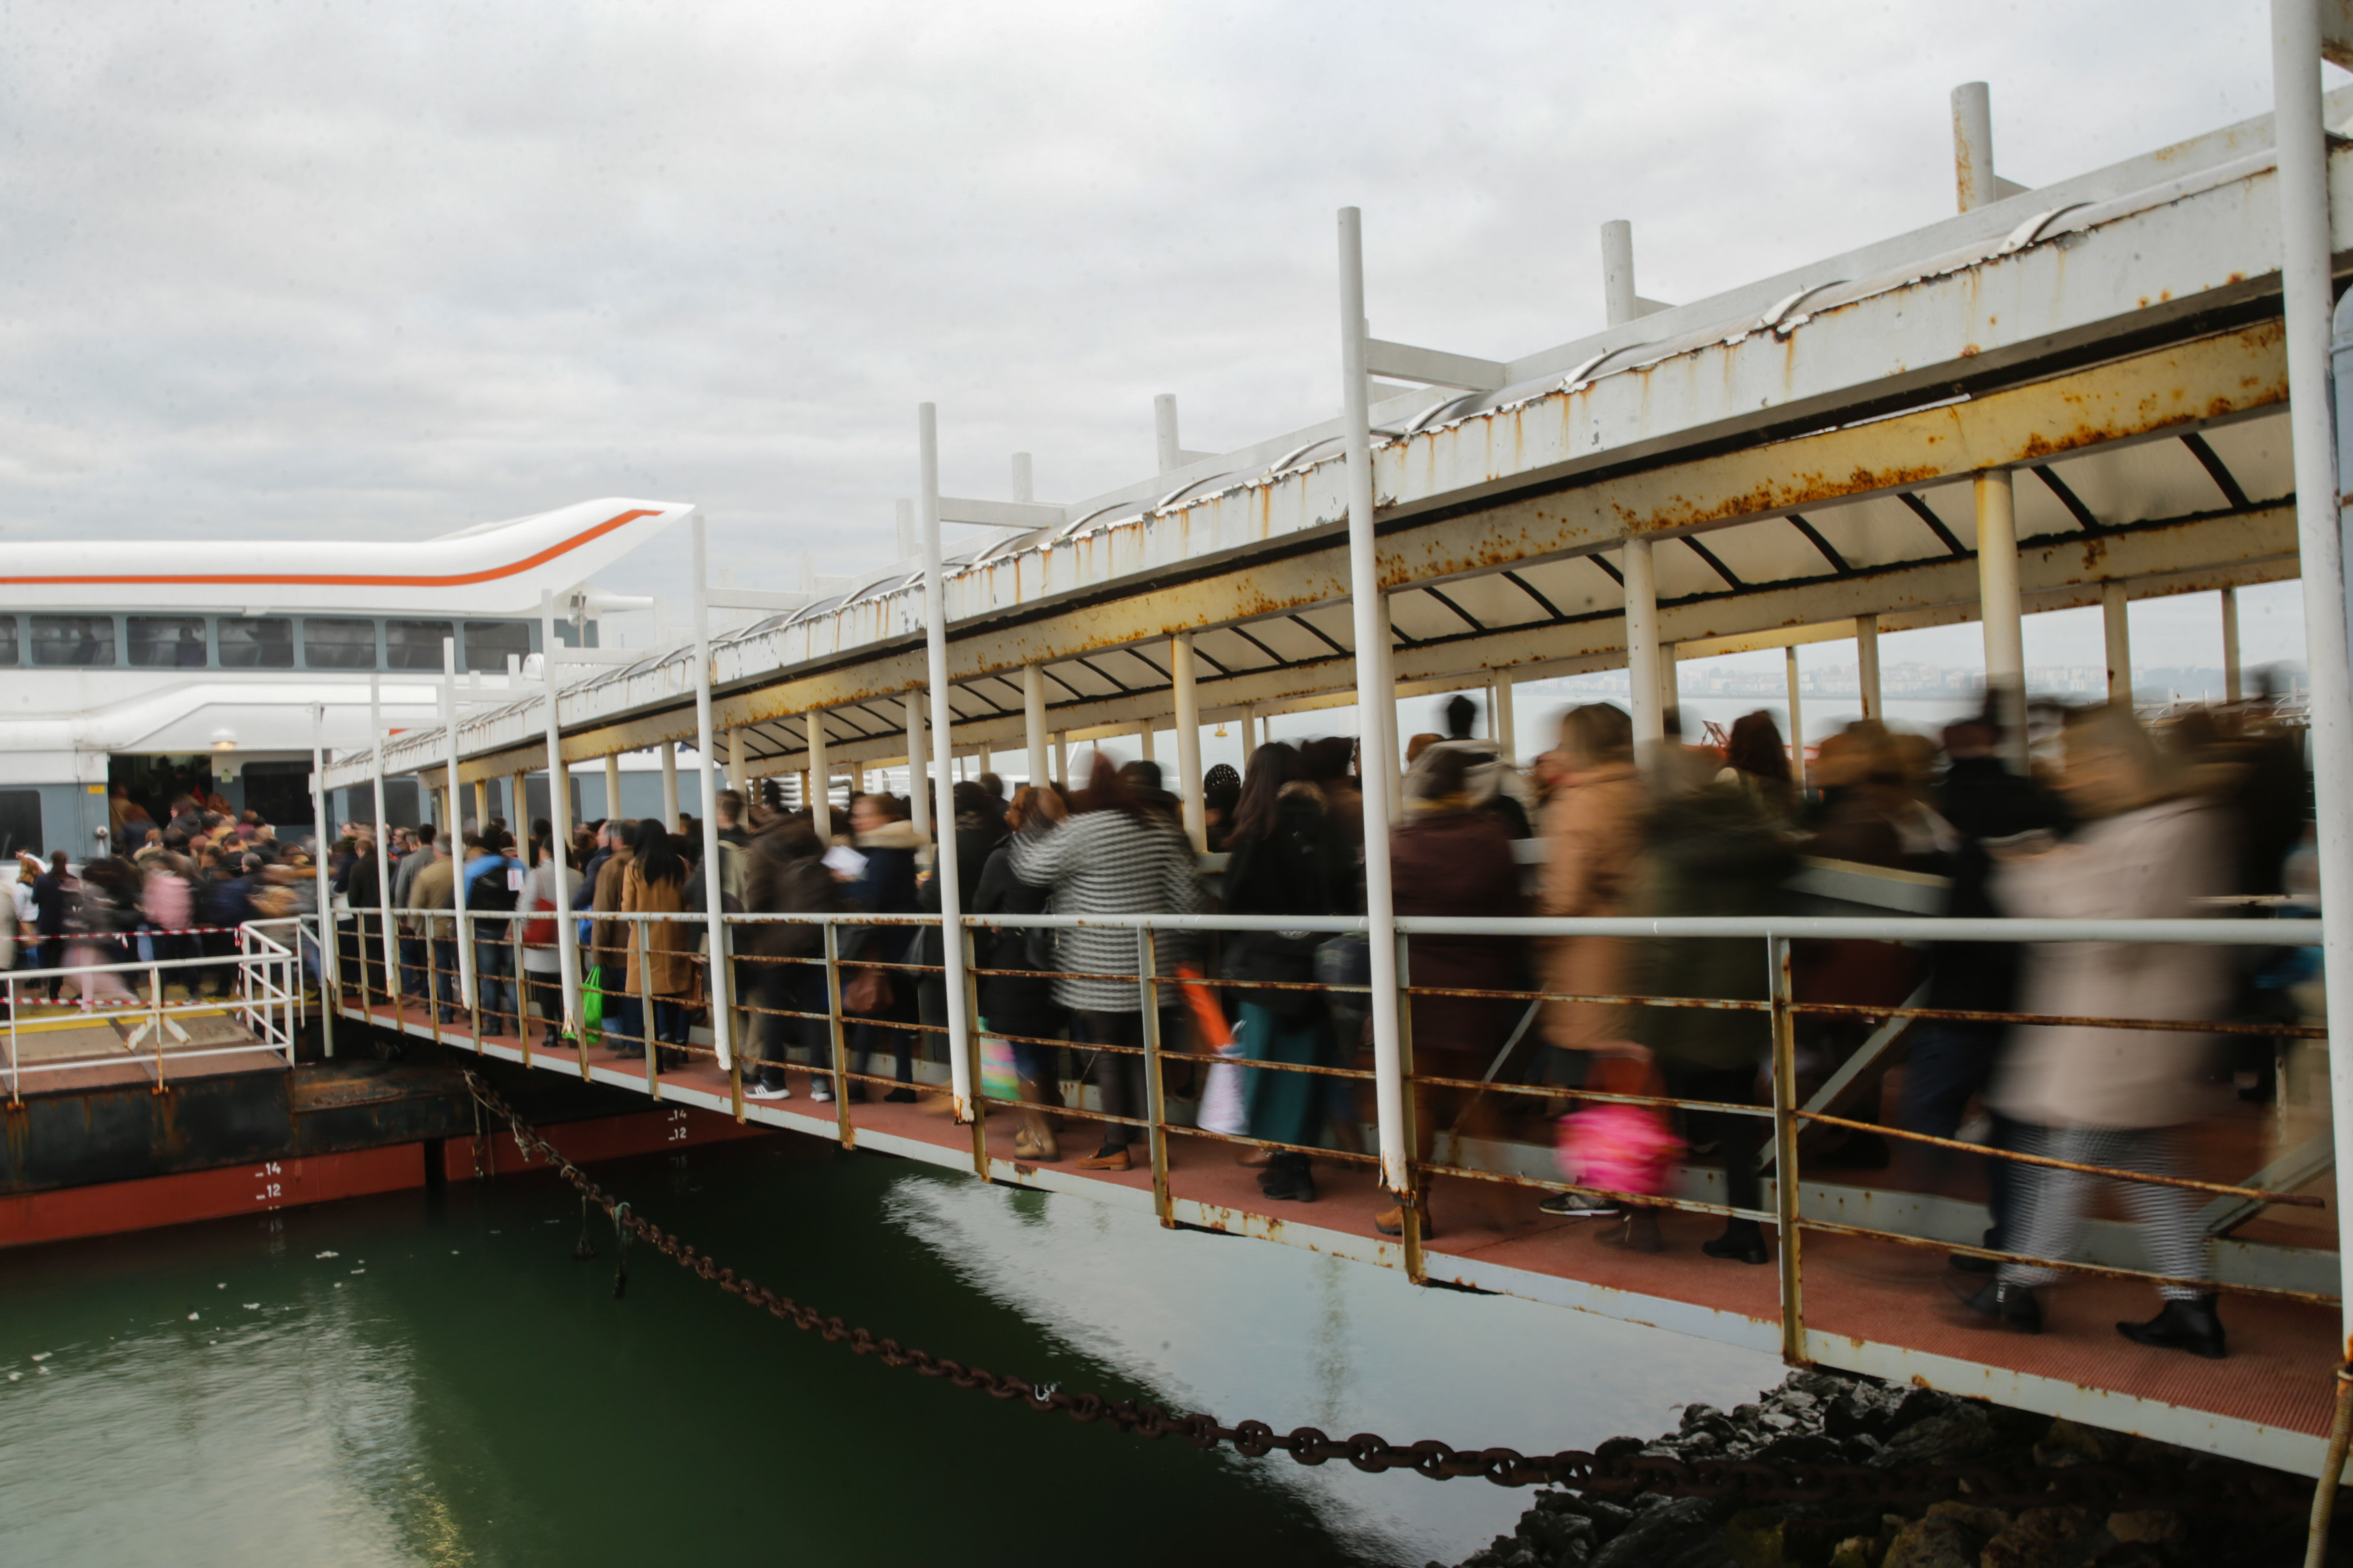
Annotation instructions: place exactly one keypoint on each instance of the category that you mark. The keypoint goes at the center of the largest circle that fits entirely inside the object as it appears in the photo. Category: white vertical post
(1642, 647)
(2305, 247)
(2116, 623)
(1033, 721)
(455, 845)
(1063, 758)
(1866, 666)
(612, 786)
(1505, 719)
(668, 750)
(1796, 717)
(1372, 631)
(820, 777)
(376, 738)
(1972, 145)
(519, 802)
(1144, 743)
(2003, 613)
(1024, 487)
(2231, 681)
(919, 762)
(330, 935)
(945, 873)
(1618, 272)
(559, 832)
(1189, 740)
(1163, 432)
(723, 999)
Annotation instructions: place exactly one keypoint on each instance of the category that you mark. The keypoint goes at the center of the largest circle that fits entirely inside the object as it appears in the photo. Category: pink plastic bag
(1618, 1148)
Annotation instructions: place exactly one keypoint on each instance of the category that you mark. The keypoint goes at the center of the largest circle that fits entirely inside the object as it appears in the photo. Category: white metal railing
(266, 1000)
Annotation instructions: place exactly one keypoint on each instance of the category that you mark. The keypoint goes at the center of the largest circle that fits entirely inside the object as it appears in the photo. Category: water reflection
(422, 1382)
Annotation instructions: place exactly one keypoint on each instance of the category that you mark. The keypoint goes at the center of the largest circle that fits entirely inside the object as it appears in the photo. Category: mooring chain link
(2109, 1486)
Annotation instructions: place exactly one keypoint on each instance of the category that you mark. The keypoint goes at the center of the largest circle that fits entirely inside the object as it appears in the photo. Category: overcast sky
(311, 269)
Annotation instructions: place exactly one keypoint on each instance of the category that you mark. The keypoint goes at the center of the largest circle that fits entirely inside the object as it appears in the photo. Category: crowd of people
(2113, 820)
(169, 895)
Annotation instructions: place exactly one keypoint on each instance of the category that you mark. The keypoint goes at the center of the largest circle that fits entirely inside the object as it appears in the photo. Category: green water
(432, 1379)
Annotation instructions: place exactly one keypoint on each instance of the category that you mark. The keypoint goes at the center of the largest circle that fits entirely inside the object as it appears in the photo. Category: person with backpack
(493, 883)
(1287, 857)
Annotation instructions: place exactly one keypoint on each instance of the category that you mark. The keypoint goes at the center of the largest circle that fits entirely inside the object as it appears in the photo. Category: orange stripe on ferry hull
(334, 580)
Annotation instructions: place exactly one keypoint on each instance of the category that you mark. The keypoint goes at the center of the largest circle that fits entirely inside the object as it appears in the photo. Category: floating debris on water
(253, 1306)
(331, 1255)
(192, 1317)
(43, 1355)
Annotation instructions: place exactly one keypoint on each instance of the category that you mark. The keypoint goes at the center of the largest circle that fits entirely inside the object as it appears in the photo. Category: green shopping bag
(592, 1006)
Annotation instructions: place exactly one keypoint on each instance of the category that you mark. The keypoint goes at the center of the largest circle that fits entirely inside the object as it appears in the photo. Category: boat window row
(257, 642)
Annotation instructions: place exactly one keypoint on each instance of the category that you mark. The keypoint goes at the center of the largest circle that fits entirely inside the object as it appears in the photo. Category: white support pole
(377, 736)
(1370, 609)
(1972, 145)
(1505, 722)
(1618, 296)
(1171, 453)
(1144, 742)
(668, 750)
(330, 990)
(820, 777)
(1866, 666)
(2305, 247)
(2001, 611)
(919, 762)
(1024, 487)
(1033, 721)
(1063, 758)
(1189, 740)
(612, 786)
(945, 873)
(456, 846)
(1642, 648)
(559, 832)
(723, 1000)
(2116, 623)
(518, 804)
(1797, 717)
(2232, 683)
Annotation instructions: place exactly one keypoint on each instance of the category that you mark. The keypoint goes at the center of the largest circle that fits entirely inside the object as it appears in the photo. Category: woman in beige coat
(2102, 1096)
(662, 969)
(1592, 825)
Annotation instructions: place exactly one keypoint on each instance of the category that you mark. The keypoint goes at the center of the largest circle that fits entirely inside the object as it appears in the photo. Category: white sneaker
(822, 1090)
(762, 1091)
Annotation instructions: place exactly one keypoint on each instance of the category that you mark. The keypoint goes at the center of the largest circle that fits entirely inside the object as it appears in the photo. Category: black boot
(1287, 1177)
(2013, 1305)
(2189, 1325)
(1742, 1241)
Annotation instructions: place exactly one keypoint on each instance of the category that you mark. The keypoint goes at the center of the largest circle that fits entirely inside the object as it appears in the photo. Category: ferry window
(259, 643)
(415, 645)
(85, 642)
(338, 644)
(167, 641)
(20, 821)
(7, 639)
(488, 642)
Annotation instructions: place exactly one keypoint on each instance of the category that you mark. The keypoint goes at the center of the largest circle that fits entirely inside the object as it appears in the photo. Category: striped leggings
(2048, 1218)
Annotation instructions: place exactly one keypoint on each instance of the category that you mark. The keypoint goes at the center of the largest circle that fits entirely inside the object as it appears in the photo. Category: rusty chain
(2108, 1487)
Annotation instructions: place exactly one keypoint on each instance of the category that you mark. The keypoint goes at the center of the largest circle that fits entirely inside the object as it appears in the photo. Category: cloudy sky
(282, 270)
